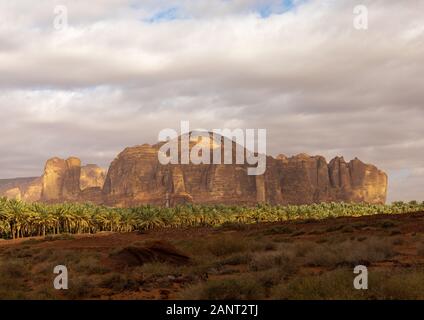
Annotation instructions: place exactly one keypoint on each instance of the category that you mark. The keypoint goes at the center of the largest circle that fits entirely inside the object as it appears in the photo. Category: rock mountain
(136, 177)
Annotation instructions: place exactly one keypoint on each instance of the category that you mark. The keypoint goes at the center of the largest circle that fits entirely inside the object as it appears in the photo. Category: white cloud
(113, 79)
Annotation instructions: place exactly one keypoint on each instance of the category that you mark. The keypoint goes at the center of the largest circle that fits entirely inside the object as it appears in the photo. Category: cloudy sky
(123, 70)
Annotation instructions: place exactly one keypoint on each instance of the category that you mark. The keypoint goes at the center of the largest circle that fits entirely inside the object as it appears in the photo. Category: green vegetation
(19, 219)
(227, 264)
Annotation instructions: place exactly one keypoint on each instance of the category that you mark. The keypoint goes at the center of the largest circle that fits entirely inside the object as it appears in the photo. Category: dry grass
(288, 261)
(240, 288)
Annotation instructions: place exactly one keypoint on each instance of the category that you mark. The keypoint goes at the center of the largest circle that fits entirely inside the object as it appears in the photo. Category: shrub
(404, 286)
(226, 289)
(91, 265)
(118, 282)
(13, 269)
(350, 253)
(278, 230)
(79, 288)
(336, 284)
(385, 224)
(226, 246)
(237, 259)
(420, 249)
(63, 236)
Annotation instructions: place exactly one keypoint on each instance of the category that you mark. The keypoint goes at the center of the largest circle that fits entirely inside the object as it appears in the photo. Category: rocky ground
(306, 259)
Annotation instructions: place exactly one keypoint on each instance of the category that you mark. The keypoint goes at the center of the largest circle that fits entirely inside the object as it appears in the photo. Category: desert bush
(334, 228)
(63, 236)
(322, 256)
(226, 246)
(398, 241)
(270, 278)
(317, 232)
(91, 265)
(347, 229)
(386, 224)
(158, 269)
(79, 288)
(406, 285)
(395, 232)
(234, 226)
(13, 268)
(43, 255)
(420, 249)
(359, 225)
(31, 241)
(12, 285)
(321, 240)
(225, 289)
(336, 284)
(301, 248)
(118, 282)
(350, 253)
(263, 261)
(285, 261)
(237, 259)
(298, 233)
(278, 230)
(260, 245)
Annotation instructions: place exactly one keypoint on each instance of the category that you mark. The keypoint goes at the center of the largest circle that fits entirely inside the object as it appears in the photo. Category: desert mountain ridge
(136, 177)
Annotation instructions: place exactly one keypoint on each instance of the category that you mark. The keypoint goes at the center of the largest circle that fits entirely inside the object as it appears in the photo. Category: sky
(122, 70)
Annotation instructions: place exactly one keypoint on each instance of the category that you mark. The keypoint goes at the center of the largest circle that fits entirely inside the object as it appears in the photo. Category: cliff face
(92, 176)
(308, 179)
(26, 189)
(136, 177)
(62, 180)
(67, 180)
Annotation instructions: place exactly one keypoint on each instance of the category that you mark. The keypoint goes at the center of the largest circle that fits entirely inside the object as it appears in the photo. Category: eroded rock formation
(26, 189)
(92, 176)
(62, 180)
(136, 177)
(307, 179)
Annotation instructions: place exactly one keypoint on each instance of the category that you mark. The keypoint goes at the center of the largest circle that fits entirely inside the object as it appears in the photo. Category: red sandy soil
(406, 227)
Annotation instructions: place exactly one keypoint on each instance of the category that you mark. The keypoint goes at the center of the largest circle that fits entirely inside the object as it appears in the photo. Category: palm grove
(19, 219)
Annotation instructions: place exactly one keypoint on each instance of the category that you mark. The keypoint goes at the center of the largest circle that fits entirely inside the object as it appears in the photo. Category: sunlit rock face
(307, 179)
(26, 189)
(32, 191)
(66, 180)
(358, 182)
(61, 179)
(92, 176)
(137, 177)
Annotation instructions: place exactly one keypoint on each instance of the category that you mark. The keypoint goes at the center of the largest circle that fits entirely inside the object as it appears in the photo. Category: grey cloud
(113, 80)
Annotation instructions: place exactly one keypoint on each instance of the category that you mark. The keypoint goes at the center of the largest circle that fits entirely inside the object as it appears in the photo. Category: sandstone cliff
(307, 179)
(67, 180)
(92, 176)
(136, 177)
(26, 189)
(62, 180)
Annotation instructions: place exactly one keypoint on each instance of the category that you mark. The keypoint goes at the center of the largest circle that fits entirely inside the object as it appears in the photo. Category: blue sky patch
(164, 15)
